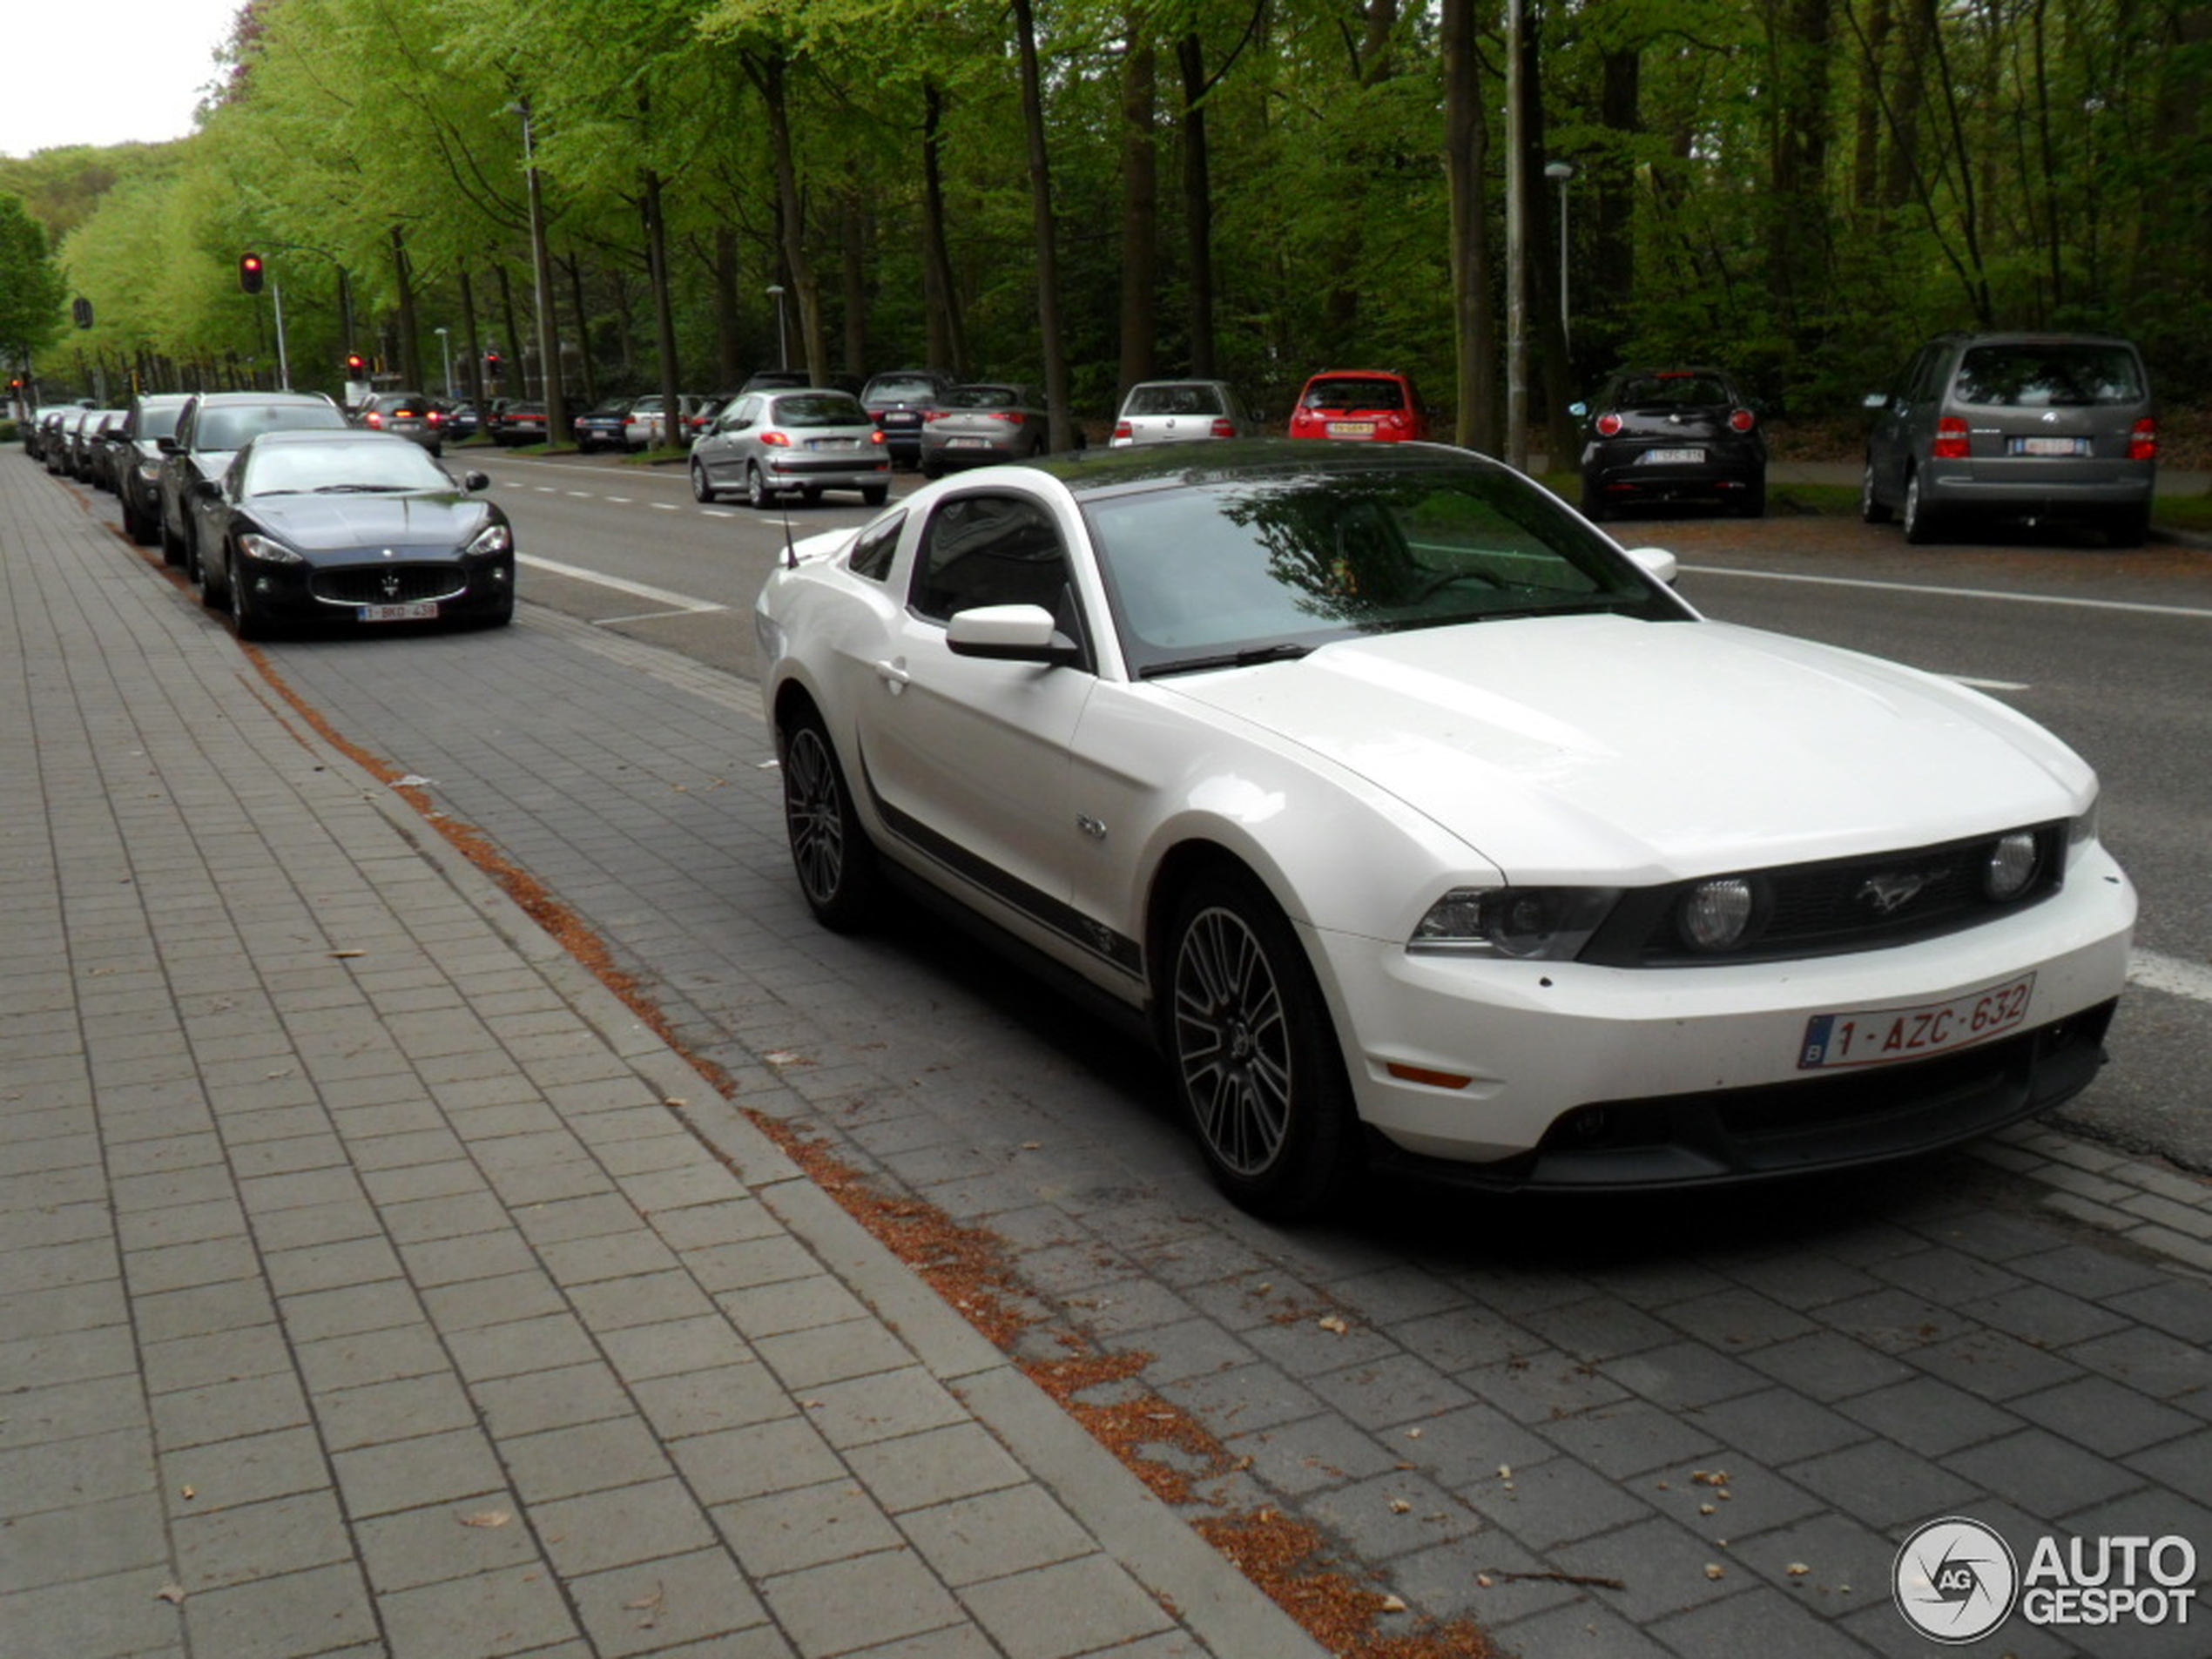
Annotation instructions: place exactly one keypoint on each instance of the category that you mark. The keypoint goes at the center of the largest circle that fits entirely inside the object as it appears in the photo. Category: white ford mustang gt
(1424, 826)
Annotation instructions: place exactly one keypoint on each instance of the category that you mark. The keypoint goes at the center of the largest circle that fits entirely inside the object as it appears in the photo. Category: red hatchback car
(1374, 405)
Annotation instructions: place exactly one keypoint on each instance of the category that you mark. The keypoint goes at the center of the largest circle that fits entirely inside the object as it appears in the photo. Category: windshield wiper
(360, 490)
(1280, 652)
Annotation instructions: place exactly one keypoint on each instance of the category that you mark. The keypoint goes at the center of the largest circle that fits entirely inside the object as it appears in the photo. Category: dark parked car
(601, 426)
(406, 415)
(352, 527)
(463, 422)
(975, 426)
(899, 401)
(517, 423)
(1671, 435)
(151, 418)
(213, 427)
(44, 421)
(103, 444)
(1996, 426)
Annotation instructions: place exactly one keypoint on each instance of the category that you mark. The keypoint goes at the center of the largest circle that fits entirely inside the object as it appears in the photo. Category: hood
(441, 522)
(1564, 747)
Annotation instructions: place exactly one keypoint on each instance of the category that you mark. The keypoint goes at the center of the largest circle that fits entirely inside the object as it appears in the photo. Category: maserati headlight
(493, 538)
(1543, 924)
(267, 549)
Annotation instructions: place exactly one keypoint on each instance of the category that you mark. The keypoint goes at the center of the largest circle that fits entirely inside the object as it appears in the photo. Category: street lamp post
(445, 350)
(783, 340)
(1559, 172)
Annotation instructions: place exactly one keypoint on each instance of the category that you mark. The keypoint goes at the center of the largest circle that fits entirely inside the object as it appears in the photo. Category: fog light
(1716, 915)
(2011, 867)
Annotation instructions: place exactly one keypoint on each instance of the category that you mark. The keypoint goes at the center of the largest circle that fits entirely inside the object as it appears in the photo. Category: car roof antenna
(791, 553)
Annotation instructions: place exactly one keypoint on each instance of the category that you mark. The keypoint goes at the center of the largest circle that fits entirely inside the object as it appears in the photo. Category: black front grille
(389, 584)
(1835, 906)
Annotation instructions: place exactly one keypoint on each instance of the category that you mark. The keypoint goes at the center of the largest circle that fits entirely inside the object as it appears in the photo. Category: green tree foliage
(1800, 188)
(33, 292)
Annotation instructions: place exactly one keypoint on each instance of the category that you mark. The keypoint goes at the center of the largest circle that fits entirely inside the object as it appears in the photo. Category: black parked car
(899, 401)
(213, 427)
(353, 527)
(1671, 435)
(151, 417)
(601, 426)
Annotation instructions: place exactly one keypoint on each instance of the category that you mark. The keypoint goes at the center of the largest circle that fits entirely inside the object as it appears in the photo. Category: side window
(872, 554)
(990, 551)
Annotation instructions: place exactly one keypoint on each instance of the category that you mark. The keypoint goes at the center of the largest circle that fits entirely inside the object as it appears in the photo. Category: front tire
(1919, 523)
(829, 850)
(1871, 509)
(245, 614)
(1255, 1054)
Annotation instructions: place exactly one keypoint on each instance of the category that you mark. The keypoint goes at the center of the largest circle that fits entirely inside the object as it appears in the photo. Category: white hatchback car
(1422, 823)
(1182, 412)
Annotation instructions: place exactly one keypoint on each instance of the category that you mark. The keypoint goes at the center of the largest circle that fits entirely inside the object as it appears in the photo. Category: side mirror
(473, 482)
(1658, 563)
(1875, 401)
(208, 489)
(1010, 634)
(1578, 410)
(167, 446)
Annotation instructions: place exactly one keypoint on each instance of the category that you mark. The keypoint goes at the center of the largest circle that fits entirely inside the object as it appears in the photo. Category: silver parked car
(1999, 426)
(1182, 412)
(771, 443)
(976, 425)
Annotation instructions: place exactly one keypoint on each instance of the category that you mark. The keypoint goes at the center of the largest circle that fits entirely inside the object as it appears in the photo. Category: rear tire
(702, 488)
(875, 495)
(1255, 1054)
(1919, 523)
(1752, 502)
(830, 851)
(2128, 527)
(756, 490)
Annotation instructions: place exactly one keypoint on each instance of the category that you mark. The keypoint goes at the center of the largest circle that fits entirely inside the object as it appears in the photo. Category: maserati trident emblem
(1884, 894)
(391, 585)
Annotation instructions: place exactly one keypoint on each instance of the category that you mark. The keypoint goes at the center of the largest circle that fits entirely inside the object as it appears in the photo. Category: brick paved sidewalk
(361, 1293)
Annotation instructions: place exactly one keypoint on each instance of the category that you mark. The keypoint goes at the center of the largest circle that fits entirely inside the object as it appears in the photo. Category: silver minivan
(2041, 427)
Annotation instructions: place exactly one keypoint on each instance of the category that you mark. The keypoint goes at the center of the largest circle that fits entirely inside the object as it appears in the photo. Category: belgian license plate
(1875, 1036)
(1352, 429)
(830, 443)
(1673, 457)
(967, 444)
(422, 610)
(2050, 446)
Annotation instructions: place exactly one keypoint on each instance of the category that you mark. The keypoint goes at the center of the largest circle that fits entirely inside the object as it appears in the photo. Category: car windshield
(1355, 394)
(1233, 568)
(301, 468)
(980, 397)
(229, 429)
(896, 388)
(2046, 374)
(816, 409)
(1669, 391)
(157, 420)
(1174, 400)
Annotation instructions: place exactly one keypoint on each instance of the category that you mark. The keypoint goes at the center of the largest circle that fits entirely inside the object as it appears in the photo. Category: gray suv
(1997, 426)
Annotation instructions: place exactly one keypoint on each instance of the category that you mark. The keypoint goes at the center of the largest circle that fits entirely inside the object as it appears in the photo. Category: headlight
(268, 549)
(493, 538)
(2011, 866)
(1546, 924)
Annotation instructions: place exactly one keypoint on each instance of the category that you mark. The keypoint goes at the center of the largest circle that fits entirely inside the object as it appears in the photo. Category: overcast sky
(105, 72)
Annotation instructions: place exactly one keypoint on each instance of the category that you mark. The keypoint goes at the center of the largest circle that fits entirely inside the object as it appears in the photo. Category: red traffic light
(355, 367)
(249, 272)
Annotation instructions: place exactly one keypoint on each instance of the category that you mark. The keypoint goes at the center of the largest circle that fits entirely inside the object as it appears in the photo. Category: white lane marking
(1951, 593)
(583, 495)
(654, 615)
(665, 506)
(619, 500)
(2171, 975)
(716, 512)
(675, 602)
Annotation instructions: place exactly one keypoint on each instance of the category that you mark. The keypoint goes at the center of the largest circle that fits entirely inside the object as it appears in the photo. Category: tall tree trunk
(767, 70)
(573, 267)
(729, 360)
(853, 247)
(1466, 148)
(1607, 185)
(511, 351)
(941, 294)
(1061, 427)
(1140, 204)
(664, 312)
(403, 285)
(474, 378)
(1798, 247)
(1197, 204)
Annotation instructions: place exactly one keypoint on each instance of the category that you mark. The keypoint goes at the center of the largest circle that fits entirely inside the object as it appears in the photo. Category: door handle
(893, 675)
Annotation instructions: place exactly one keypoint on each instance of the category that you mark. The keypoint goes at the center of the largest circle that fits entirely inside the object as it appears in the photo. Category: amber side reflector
(1423, 1075)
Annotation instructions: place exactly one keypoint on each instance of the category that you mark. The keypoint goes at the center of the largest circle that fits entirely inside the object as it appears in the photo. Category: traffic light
(356, 367)
(249, 272)
(80, 311)
(491, 362)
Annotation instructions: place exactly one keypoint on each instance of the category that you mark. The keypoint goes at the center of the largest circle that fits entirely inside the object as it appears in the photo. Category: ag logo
(1955, 1580)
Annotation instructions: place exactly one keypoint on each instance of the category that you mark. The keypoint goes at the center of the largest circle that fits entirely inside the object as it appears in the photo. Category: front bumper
(465, 589)
(1582, 1077)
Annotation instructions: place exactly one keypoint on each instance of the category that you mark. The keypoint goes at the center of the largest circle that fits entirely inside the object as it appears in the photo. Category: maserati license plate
(422, 610)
